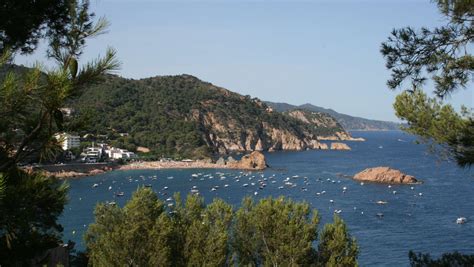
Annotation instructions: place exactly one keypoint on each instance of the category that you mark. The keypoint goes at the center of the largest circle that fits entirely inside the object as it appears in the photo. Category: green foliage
(29, 211)
(29, 116)
(451, 133)
(445, 54)
(275, 232)
(270, 232)
(203, 231)
(442, 52)
(454, 259)
(336, 247)
(122, 236)
(142, 234)
(24, 23)
(31, 100)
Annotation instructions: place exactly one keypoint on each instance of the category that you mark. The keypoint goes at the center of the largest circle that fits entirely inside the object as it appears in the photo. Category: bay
(412, 221)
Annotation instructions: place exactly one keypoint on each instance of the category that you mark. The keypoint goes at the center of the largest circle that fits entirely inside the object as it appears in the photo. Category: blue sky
(320, 52)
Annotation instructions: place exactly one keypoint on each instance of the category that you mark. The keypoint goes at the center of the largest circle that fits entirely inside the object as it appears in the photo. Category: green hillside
(184, 116)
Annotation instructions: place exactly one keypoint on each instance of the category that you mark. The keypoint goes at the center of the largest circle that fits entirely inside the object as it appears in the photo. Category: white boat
(461, 220)
(381, 202)
(95, 185)
(245, 185)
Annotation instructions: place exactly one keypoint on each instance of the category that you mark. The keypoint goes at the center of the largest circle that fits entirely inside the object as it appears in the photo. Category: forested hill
(184, 116)
(347, 121)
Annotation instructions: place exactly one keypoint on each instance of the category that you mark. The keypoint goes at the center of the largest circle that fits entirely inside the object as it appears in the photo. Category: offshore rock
(340, 146)
(385, 175)
(252, 161)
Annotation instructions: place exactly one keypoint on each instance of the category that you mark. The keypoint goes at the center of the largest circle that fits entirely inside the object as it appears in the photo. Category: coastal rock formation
(339, 146)
(252, 161)
(342, 136)
(385, 175)
(229, 135)
(347, 121)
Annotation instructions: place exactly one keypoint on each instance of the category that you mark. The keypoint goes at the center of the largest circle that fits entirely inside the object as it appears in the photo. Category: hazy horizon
(318, 52)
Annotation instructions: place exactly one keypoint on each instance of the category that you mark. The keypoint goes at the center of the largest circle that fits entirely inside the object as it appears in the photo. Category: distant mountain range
(347, 121)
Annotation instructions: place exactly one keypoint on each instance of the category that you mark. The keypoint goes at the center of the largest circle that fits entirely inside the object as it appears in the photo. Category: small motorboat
(461, 220)
(120, 194)
(381, 202)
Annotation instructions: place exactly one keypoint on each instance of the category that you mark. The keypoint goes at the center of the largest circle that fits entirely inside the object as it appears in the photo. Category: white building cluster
(95, 152)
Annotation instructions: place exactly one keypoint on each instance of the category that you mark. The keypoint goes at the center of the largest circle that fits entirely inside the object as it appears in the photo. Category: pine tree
(445, 54)
(275, 232)
(29, 117)
(336, 246)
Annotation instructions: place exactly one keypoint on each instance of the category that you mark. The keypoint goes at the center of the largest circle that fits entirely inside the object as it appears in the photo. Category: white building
(68, 141)
(93, 152)
(118, 153)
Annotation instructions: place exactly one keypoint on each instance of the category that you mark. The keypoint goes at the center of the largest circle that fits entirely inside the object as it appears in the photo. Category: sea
(420, 217)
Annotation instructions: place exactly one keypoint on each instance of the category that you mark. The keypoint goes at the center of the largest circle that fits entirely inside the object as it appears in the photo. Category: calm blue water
(422, 223)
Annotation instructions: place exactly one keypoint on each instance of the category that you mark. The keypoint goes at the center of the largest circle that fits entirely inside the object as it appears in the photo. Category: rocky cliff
(334, 132)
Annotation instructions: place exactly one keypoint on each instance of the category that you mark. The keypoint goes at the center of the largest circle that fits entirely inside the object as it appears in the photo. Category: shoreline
(144, 165)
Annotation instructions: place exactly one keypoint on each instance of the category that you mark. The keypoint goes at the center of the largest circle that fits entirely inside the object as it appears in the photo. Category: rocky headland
(339, 146)
(385, 175)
